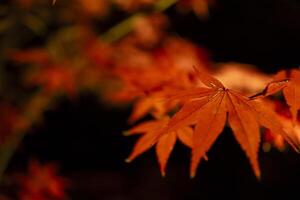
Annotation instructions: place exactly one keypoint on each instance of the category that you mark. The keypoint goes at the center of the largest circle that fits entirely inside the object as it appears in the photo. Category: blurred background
(66, 96)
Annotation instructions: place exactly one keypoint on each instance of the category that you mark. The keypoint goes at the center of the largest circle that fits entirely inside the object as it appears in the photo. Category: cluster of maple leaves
(203, 114)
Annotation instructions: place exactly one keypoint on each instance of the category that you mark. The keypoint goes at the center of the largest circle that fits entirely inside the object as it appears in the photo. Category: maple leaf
(288, 81)
(153, 103)
(271, 139)
(165, 142)
(207, 108)
(292, 90)
(146, 104)
(54, 79)
(42, 182)
(148, 30)
(149, 86)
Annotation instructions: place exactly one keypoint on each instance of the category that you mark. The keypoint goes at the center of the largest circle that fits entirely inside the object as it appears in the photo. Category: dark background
(85, 136)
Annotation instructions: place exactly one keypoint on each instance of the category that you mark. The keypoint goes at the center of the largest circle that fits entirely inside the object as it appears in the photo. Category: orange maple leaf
(42, 182)
(206, 108)
(153, 103)
(292, 90)
(143, 105)
(152, 131)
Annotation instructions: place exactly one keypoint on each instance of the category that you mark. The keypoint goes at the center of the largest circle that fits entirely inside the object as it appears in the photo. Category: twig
(124, 27)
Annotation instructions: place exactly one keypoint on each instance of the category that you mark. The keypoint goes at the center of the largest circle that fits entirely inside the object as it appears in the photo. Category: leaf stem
(33, 112)
(124, 27)
(7, 150)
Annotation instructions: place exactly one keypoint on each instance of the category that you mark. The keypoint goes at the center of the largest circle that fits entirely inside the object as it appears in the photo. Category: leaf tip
(192, 175)
(258, 176)
(193, 170)
(133, 118)
(297, 149)
(126, 133)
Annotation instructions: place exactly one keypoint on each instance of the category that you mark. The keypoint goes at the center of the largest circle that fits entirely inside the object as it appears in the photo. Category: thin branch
(124, 27)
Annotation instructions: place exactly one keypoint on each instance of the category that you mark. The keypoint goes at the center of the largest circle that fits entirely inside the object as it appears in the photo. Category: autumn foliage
(176, 92)
(206, 109)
